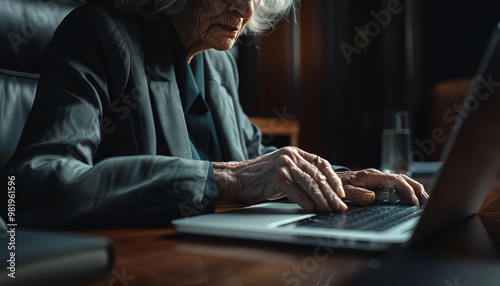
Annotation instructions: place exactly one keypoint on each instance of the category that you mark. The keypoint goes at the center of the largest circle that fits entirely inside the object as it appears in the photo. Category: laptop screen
(472, 154)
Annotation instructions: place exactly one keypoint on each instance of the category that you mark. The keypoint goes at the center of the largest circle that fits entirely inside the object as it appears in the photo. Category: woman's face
(218, 23)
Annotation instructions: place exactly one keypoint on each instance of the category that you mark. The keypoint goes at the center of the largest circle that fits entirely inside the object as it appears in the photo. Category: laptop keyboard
(370, 218)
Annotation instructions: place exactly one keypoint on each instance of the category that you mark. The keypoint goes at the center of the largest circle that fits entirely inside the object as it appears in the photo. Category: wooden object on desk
(280, 127)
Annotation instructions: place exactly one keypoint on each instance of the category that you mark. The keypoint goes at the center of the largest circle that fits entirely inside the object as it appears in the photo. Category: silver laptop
(471, 165)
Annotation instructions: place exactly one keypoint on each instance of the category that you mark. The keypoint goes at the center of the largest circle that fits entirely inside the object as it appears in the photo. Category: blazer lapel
(164, 93)
(170, 119)
(223, 113)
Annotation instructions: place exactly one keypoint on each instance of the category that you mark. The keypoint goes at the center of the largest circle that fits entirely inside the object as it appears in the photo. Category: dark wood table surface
(165, 257)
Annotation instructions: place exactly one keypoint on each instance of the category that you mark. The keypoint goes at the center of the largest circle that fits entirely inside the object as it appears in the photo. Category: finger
(302, 182)
(417, 187)
(403, 189)
(332, 177)
(326, 168)
(371, 179)
(276, 197)
(298, 196)
(310, 187)
(335, 203)
(359, 196)
(374, 171)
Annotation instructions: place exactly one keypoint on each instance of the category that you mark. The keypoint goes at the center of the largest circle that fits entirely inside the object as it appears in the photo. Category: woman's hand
(357, 184)
(305, 179)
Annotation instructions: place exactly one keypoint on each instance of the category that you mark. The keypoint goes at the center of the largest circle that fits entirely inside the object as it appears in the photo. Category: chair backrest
(26, 27)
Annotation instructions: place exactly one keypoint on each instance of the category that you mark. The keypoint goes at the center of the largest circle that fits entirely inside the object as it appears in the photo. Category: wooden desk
(164, 257)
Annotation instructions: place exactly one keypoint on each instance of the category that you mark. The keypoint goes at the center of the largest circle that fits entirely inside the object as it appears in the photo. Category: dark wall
(345, 89)
(457, 32)
(342, 95)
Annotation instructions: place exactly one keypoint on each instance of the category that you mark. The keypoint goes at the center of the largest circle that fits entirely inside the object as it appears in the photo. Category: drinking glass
(396, 143)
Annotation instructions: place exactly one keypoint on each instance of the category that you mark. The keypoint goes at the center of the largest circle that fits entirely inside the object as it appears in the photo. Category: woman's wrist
(225, 179)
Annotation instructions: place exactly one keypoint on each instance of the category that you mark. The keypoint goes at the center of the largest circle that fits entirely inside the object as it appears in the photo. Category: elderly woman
(137, 120)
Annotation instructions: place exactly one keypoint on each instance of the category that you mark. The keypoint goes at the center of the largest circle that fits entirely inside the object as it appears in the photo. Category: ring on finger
(315, 160)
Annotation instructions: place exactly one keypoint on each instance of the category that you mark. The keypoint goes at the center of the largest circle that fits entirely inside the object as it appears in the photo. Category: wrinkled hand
(357, 184)
(305, 179)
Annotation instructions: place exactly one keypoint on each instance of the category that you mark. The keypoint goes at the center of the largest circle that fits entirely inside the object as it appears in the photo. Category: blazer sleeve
(58, 185)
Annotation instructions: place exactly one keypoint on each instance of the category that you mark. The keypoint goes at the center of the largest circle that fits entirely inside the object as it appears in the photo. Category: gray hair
(267, 13)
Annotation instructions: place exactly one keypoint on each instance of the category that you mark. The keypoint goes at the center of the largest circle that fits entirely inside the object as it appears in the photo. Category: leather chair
(26, 27)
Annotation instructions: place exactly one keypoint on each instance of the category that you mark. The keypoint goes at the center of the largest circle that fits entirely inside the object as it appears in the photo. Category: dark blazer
(106, 140)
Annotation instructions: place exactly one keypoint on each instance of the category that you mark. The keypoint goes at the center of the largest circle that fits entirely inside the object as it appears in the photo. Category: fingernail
(367, 199)
(426, 195)
(341, 206)
(341, 193)
(415, 200)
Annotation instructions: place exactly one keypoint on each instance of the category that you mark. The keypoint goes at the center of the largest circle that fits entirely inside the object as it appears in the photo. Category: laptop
(471, 161)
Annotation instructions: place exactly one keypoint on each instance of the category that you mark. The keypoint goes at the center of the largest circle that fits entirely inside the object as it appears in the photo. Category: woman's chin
(223, 44)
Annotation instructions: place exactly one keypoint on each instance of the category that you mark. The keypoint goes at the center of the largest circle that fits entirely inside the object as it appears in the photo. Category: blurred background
(319, 68)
